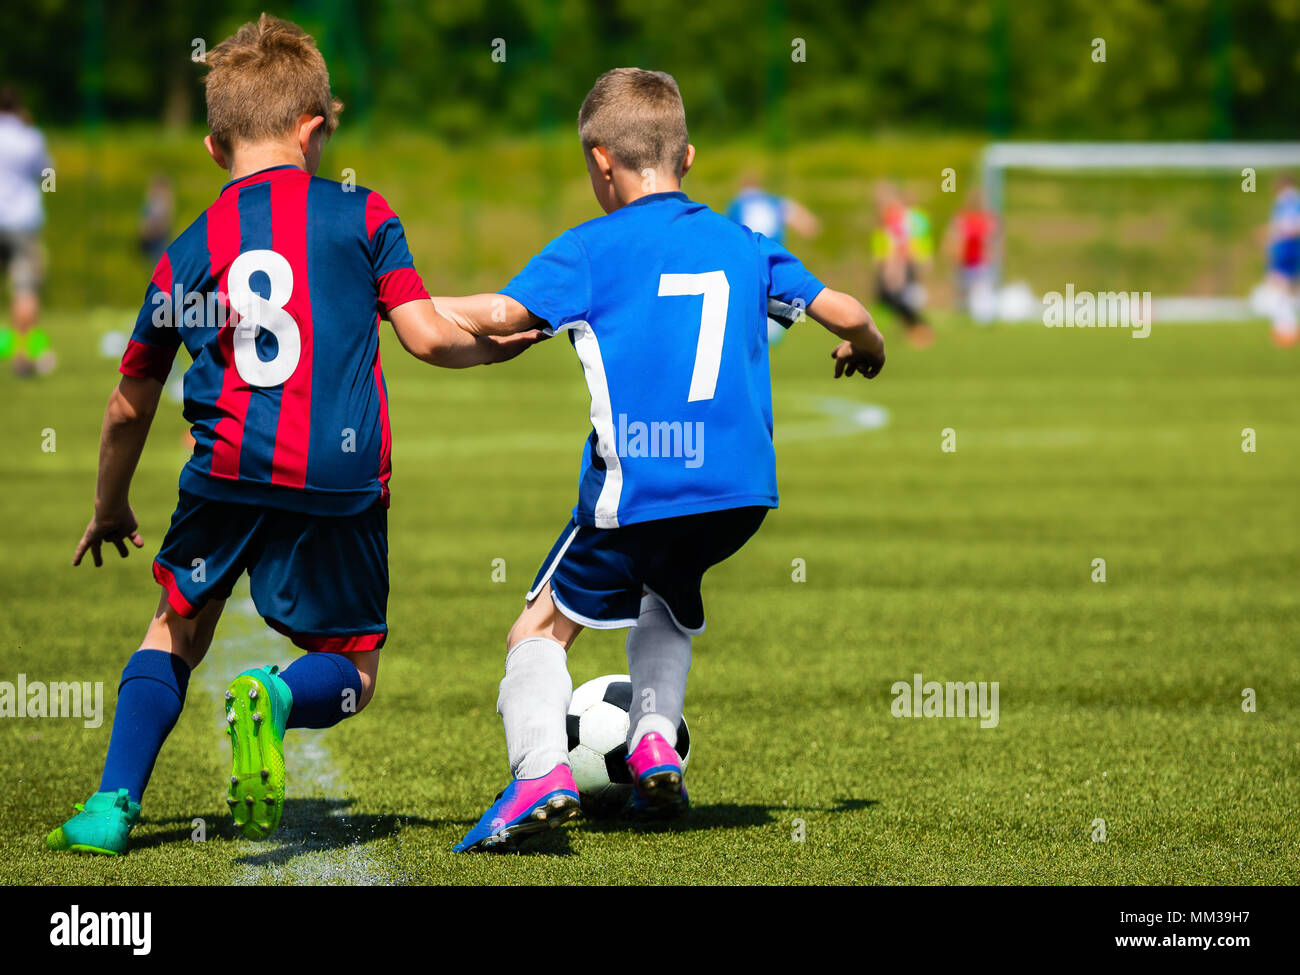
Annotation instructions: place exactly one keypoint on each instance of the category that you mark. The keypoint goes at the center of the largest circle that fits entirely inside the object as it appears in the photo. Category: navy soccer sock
(320, 682)
(149, 700)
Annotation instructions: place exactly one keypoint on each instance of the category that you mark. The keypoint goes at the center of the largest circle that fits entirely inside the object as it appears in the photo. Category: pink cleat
(525, 806)
(660, 784)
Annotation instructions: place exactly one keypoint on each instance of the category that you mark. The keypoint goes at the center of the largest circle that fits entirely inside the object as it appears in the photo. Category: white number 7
(713, 323)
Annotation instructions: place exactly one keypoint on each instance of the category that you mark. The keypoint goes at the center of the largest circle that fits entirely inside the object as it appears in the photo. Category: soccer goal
(1185, 221)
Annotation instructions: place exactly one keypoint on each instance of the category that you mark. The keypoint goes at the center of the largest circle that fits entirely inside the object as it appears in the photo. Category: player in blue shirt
(771, 216)
(768, 214)
(665, 303)
(1284, 261)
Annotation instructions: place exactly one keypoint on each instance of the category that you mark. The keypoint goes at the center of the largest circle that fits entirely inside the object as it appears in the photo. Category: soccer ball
(598, 724)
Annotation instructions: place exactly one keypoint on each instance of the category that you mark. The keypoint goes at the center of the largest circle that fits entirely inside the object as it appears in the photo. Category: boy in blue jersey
(665, 303)
(276, 291)
(770, 216)
(1284, 261)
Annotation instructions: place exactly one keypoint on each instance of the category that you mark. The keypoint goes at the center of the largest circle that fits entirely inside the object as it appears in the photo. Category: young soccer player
(771, 216)
(23, 161)
(276, 291)
(901, 248)
(665, 303)
(1284, 261)
(971, 242)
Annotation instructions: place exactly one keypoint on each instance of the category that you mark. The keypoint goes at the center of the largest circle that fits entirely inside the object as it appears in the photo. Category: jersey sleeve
(556, 284)
(788, 280)
(396, 279)
(152, 347)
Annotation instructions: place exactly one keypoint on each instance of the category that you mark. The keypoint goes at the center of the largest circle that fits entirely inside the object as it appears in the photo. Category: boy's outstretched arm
(431, 335)
(863, 348)
(489, 314)
(126, 426)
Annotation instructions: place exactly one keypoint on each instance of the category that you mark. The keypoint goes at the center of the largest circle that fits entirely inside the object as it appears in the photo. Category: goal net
(1183, 221)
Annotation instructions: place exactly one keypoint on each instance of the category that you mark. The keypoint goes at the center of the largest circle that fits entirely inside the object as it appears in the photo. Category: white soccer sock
(658, 660)
(533, 703)
(1284, 314)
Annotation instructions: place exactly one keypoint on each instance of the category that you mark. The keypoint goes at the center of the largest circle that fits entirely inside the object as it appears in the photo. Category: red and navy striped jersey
(277, 291)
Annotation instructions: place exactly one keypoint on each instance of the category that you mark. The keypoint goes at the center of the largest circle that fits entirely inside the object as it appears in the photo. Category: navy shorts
(320, 580)
(598, 575)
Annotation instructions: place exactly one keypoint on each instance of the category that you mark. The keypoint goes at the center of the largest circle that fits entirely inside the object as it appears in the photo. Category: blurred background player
(970, 243)
(156, 218)
(772, 216)
(23, 160)
(1284, 260)
(901, 247)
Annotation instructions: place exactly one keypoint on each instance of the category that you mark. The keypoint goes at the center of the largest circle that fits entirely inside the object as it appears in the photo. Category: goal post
(1182, 220)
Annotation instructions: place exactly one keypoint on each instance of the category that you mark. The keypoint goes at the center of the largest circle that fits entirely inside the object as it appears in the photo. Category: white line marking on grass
(298, 854)
(842, 417)
(1036, 438)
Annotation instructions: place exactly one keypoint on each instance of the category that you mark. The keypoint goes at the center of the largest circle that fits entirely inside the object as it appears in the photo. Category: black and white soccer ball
(598, 724)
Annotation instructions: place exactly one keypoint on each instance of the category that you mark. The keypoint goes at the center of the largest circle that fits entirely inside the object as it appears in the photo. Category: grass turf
(1120, 701)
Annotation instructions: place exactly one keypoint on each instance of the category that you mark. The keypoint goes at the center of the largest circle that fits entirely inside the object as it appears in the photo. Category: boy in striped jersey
(277, 292)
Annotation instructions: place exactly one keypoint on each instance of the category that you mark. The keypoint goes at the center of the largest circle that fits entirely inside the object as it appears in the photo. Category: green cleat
(102, 825)
(257, 709)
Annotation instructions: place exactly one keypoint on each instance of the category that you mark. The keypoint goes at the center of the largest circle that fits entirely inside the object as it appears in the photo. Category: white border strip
(550, 569)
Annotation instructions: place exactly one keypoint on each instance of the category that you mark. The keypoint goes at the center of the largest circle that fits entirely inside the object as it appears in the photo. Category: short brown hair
(262, 79)
(638, 116)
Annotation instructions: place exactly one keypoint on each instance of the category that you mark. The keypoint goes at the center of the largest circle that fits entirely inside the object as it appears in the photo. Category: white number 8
(257, 312)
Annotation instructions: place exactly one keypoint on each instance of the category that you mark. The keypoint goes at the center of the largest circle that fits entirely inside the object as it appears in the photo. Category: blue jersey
(276, 291)
(665, 302)
(760, 211)
(1284, 221)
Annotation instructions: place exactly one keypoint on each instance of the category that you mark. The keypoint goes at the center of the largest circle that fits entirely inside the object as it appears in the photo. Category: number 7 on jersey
(713, 324)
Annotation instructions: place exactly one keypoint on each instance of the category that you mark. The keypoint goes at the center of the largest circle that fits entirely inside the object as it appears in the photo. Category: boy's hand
(862, 350)
(503, 348)
(130, 411)
(850, 360)
(118, 528)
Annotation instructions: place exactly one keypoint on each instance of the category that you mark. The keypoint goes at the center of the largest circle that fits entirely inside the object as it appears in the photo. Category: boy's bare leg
(188, 639)
(542, 619)
(367, 664)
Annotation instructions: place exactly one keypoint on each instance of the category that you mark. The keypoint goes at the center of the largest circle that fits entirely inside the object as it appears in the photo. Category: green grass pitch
(1119, 701)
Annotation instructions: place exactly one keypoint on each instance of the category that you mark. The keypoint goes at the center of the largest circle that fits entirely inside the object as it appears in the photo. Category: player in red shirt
(972, 245)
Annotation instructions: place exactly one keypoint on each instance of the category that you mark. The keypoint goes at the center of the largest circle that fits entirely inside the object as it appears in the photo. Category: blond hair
(638, 117)
(262, 79)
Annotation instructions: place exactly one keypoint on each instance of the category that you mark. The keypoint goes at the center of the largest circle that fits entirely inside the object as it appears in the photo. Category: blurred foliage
(1174, 68)
(474, 214)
